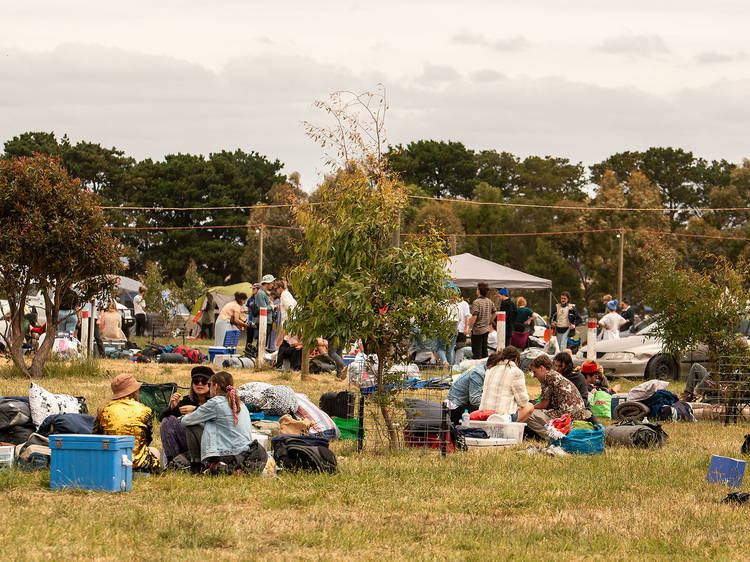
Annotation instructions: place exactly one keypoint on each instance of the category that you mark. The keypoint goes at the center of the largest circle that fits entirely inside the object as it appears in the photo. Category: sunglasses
(200, 381)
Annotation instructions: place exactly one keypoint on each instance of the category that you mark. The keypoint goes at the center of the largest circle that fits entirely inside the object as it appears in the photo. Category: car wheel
(662, 367)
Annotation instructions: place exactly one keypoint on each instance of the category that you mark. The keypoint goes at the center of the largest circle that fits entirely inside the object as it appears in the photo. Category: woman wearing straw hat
(124, 415)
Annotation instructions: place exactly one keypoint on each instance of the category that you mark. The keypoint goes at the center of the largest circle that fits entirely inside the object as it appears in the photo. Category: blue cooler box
(91, 462)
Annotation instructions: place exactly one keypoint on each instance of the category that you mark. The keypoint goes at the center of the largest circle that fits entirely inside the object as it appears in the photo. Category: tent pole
(550, 304)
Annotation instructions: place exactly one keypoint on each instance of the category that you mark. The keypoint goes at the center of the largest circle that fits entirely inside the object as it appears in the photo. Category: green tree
(279, 244)
(684, 181)
(183, 180)
(353, 284)
(442, 169)
(53, 236)
(160, 299)
(699, 308)
(192, 287)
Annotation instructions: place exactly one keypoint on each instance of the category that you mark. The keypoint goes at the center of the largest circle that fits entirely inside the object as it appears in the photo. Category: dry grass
(623, 505)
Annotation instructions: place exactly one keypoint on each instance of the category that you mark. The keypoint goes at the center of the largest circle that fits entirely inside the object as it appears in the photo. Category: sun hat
(201, 372)
(589, 367)
(612, 305)
(268, 279)
(504, 291)
(123, 385)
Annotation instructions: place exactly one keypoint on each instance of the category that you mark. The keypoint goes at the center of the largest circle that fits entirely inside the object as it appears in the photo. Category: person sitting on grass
(595, 379)
(173, 435)
(124, 415)
(465, 393)
(226, 427)
(559, 396)
(563, 364)
(504, 388)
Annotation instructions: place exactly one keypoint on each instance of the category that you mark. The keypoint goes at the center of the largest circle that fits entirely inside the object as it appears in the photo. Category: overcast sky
(579, 79)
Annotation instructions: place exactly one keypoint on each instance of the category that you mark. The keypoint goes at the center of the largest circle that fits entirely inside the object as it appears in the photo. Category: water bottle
(465, 418)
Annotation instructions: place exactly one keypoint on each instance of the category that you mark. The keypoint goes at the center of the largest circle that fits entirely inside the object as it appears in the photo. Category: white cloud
(714, 57)
(153, 105)
(643, 45)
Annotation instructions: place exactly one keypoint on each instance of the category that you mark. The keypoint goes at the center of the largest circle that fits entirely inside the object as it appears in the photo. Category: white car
(641, 355)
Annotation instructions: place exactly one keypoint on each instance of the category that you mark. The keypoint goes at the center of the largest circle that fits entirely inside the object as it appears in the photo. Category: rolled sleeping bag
(171, 358)
(630, 410)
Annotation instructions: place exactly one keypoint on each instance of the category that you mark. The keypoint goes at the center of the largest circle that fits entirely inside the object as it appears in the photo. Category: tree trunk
(384, 403)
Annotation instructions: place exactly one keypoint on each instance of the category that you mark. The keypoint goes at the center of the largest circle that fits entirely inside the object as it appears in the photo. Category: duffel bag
(582, 441)
(171, 358)
(234, 362)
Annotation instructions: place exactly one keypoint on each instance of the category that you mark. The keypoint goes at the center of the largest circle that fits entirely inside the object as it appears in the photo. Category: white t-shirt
(492, 340)
(611, 323)
(286, 303)
(139, 305)
(464, 312)
(453, 311)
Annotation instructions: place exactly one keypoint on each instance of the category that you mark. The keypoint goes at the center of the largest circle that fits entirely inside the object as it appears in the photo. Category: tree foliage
(698, 308)
(353, 283)
(53, 236)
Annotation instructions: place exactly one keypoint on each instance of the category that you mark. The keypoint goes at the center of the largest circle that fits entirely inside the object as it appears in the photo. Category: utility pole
(260, 252)
(397, 232)
(621, 236)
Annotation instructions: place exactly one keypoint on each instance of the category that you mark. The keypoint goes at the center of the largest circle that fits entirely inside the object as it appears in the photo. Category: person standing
(627, 313)
(611, 322)
(139, 309)
(286, 304)
(263, 300)
(208, 317)
(464, 313)
(564, 319)
(482, 311)
(509, 308)
(230, 317)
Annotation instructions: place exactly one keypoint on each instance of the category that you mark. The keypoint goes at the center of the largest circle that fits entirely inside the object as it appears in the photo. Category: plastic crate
(91, 462)
(7, 454)
(501, 430)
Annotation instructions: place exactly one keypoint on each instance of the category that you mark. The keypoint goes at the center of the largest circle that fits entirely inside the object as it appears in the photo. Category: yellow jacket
(126, 416)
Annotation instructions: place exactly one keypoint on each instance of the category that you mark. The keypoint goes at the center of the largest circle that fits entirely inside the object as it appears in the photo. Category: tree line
(585, 263)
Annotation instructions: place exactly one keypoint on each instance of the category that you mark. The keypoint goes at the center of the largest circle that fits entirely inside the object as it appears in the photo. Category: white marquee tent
(468, 270)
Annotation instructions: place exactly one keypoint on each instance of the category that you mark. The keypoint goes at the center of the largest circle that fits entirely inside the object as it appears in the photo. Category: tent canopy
(223, 294)
(468, 270)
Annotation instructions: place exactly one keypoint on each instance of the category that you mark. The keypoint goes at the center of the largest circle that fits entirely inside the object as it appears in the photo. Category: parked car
(641, 354)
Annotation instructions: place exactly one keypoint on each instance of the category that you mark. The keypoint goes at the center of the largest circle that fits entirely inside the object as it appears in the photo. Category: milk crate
(7, 454)
(91, 462)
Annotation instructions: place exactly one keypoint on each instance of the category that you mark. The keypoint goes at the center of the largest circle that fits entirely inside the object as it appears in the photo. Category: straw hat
(123, 385)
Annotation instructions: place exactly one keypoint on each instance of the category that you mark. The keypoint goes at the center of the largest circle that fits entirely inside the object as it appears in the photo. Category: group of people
(209, 425)
(499, 385)
(272, 295)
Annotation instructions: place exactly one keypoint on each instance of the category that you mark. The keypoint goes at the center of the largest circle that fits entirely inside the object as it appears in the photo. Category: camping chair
(156, 396)
(231, 339)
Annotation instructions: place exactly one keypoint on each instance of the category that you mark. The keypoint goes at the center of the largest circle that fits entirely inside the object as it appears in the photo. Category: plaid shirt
(483, 308)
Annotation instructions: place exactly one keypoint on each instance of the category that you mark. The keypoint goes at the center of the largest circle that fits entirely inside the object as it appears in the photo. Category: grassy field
(623, 505)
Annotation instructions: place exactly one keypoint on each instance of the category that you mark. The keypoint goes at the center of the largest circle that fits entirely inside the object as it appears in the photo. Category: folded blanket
(657, 400)
(635, 434)
(630, 410)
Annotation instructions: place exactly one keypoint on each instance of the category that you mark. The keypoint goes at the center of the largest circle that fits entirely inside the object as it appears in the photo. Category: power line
(477, 235)
(438, 200)
(578, 208)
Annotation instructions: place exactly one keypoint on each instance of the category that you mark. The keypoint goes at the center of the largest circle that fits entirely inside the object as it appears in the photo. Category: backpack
(191, 355)
(312, 454)
(34, 454)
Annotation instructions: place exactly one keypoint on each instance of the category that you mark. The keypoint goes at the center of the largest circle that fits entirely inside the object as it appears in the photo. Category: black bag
(152, 351)
(338, 404)
(293, 452)
(251, 351)
(746, 445)
(171, 358)
(253, 460)
(81, 424)
(14, 412)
